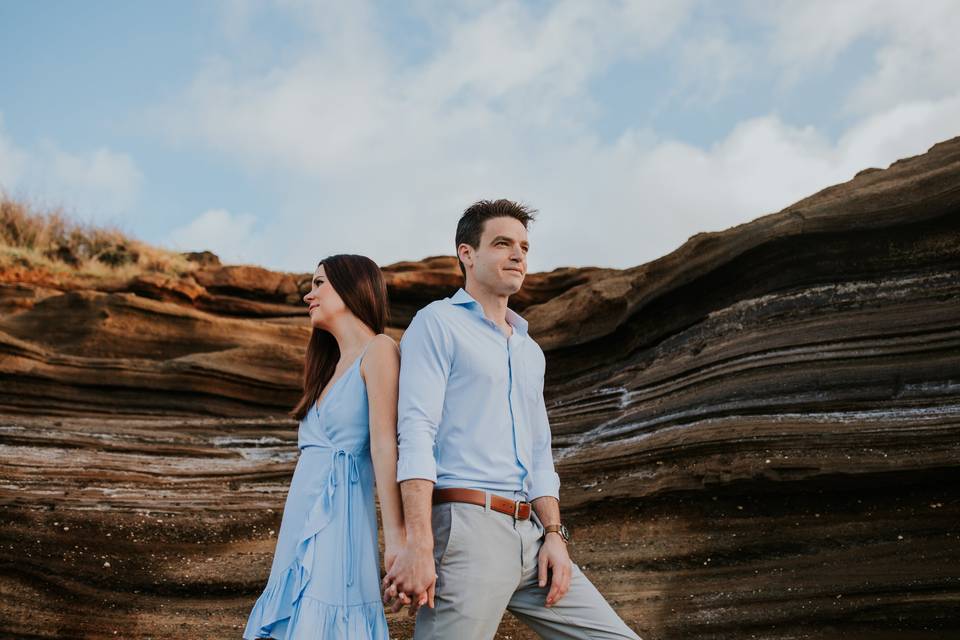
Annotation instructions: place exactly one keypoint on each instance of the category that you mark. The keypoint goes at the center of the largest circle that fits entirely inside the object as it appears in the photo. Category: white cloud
(509, 47)
(379, 157)
(671, 191)
(98, 185)
(904, 130)
(709, 65)
(916, 59)
(230, 236)
(345, 100)
(102, 182)
(617, 205)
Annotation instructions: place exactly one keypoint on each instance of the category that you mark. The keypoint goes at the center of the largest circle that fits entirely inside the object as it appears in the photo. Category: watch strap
(555, 528)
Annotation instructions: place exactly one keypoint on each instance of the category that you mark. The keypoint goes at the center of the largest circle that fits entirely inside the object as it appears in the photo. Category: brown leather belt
(518, 509)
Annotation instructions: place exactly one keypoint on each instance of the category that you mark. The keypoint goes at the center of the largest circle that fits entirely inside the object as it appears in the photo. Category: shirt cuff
(544, 483)
(415, 464)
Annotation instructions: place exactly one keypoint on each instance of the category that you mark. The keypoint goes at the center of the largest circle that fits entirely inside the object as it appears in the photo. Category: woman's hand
(391, 548)
(411, 579)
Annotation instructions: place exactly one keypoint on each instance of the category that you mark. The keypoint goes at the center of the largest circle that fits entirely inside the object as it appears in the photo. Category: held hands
(411, 578)
(390, 596)
(390, 551)
(553, 556)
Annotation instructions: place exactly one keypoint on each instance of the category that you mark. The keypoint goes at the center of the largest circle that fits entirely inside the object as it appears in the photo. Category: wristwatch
(558, 528)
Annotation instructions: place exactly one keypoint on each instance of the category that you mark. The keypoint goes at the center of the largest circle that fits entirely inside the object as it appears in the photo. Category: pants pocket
(480, 565)
(442, 521)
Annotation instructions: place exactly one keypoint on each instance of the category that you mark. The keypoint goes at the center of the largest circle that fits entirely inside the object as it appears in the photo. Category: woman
(325, 581)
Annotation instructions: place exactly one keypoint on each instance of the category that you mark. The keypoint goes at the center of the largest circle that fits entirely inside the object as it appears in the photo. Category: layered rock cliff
(758, 434)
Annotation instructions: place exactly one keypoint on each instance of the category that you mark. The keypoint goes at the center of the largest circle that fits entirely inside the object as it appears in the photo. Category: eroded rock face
(93, 352)
(197, 345)
(757, 434)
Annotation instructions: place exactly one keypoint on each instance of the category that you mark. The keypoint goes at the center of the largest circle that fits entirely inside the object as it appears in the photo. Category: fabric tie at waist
(344, 468)
(343, 465)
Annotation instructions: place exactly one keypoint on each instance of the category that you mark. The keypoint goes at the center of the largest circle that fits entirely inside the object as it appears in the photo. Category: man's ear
(465, 253)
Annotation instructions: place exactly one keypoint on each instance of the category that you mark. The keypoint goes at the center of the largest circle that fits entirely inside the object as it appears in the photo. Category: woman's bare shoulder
(384, 342)
(383, 351)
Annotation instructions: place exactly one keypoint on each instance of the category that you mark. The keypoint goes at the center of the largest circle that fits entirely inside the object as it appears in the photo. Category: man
(474, 455)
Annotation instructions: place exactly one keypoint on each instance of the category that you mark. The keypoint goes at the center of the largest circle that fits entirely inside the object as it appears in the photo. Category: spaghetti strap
(369, 342)
(364, 352)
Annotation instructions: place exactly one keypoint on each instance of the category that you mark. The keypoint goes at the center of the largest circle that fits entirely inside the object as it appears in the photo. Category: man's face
(499, 263)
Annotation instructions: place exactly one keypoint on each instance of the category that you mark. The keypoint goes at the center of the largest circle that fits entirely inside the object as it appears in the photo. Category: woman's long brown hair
(359, 283)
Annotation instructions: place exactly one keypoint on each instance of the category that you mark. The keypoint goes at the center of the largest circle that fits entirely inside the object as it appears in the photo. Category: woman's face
(323, 302)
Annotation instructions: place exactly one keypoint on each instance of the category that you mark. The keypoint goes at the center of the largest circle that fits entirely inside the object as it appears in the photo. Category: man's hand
(412, 578)
(553, 556)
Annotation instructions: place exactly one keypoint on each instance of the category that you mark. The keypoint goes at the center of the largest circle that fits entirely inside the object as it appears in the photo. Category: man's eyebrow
(509, 239)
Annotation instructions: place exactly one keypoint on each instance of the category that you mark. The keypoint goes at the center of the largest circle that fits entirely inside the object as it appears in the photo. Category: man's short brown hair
(470, 227)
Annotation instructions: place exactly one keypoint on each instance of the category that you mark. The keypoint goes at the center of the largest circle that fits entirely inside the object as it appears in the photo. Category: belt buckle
(516, 510)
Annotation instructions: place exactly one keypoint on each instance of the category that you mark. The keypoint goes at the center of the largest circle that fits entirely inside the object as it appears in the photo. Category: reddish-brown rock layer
(757, 434)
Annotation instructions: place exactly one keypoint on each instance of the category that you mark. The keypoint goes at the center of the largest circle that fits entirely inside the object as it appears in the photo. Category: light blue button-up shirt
(471, 411)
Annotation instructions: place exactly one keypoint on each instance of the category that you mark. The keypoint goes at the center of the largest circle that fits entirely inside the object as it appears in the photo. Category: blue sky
(276, 133)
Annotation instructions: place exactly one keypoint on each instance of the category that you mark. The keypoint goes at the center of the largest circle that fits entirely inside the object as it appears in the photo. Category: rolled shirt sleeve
(425, 359)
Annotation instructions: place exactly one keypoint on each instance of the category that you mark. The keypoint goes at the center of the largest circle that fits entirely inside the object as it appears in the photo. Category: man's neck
(494, 305)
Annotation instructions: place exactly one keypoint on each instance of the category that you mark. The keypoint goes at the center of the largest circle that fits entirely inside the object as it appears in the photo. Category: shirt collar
(461, 297)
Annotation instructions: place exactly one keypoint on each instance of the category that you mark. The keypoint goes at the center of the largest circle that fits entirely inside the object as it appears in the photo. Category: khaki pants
(487, 563)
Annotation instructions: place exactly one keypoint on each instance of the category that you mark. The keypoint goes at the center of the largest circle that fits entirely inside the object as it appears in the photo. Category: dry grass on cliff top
(35, 240)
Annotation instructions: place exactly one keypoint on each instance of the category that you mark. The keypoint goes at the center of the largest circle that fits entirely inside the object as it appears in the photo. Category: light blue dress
(325, 579)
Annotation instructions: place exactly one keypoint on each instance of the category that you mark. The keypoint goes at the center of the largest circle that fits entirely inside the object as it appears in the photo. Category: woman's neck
(351, 335)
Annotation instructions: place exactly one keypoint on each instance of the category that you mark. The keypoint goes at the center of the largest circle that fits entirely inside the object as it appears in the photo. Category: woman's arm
(381, 371)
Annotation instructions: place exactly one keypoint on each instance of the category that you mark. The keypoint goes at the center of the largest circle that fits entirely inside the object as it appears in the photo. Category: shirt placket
(512, 395)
